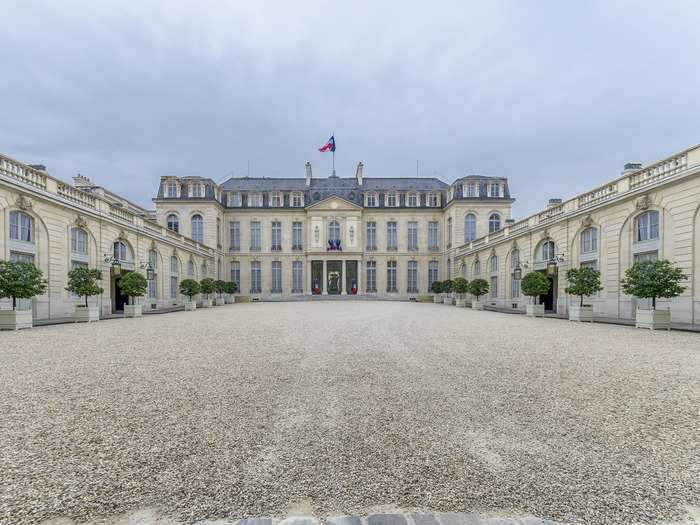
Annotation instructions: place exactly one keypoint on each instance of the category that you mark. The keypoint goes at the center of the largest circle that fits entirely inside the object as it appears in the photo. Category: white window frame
(391, 200)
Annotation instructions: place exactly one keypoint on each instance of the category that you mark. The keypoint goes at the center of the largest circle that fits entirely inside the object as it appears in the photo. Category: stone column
(359, 277)
(324, 284)
(309, 282)
(343, 279)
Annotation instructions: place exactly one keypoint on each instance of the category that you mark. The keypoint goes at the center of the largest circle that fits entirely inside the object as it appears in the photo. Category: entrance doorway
(316, 277)
(549, 300)
(118, 299)
(335, 274)
(351, 276)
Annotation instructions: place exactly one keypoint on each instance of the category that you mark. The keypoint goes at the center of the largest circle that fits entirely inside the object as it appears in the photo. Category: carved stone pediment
(23, 203)
(643, 202)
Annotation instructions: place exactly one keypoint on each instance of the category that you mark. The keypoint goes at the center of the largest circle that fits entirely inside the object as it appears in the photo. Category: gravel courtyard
(328, 408)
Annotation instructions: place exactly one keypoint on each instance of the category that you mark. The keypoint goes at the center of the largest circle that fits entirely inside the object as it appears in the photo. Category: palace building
(389, 238)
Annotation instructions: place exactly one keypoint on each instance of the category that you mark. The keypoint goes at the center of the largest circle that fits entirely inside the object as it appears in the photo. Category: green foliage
(220, 286)
(460, 285)
(436, 287)
(231, 287)
(20, 280)
(189, 288)
(534, 284)
(206, 286)
(133, 284)
(83, 281)
(652, 279)
(478, 287)
(447, 286)
(583, 282)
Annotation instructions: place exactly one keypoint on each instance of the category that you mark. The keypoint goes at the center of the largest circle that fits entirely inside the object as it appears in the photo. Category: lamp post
(116, 265)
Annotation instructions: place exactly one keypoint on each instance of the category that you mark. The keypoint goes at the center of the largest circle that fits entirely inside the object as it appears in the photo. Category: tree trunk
(653, 303)
(14, 302)
(581, 300)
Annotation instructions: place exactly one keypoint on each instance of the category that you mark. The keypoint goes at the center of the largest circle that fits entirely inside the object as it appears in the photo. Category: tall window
(392, 200)
(297, 277)
(494, 190)
(371, 236)
(371, 199)
(174, 275)
(433, 235)
(493, 267)
(494, 222)
(449, 232)
(196, 190)
(477, 268)
(236, 273)
(547, 251)
(235, 235)
(153, 283)
(589, 240)
(276, 277)
(255, 278)
(391, 235)
(333, 231)
(412, 277)
(255, 236)
(413, 200)
(276, 200)
(171, 190)
(432, 273)
(173, 223)
(218, 232)
(197, 228)
(255, 200)
(297, 236)
(190, 269)
(371, 276)
(469, 227)
(449, 268)
(514, 283)
(391, 276)
(21, 227)
(234, 199)
(276, 236)
(471, 189)
(297, 200)
(412, 235)
(433, 200)
(647, 226)
(121, 251)
(78, 241)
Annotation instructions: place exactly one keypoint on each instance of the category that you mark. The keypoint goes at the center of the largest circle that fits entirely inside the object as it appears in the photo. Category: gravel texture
(331, 408)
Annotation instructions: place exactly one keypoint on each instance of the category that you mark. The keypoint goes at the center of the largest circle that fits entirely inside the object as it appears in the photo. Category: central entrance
(335, 274)
(549, 299)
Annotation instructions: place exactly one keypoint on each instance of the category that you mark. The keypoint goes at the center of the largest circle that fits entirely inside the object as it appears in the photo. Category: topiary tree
(220, 286)
(133, 284)
(206, 286)
(534, 284)
(83, 281)
(189, 288)
(478, 287)
(460, 285)
(652, 279)
(20, 280)
(436, 287)
(583, 282)
(447, 286)
(231, 287)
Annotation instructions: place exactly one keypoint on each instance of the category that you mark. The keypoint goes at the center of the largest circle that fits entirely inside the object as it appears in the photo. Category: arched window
(493, 264)
(21, 227)
(589, 240)
(78, 241)
(493, 281)
(469, 227)
(477, 268)
(190, 269)
(646, 226)
(153, 283)
(494, 222)
(174, 276)
(333, 231)
(547, 251)
(173, 223)
(197, 228)
(514, 283)
(121, 251)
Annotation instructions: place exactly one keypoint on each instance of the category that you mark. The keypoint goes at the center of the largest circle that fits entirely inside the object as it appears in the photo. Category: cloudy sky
(556, 96)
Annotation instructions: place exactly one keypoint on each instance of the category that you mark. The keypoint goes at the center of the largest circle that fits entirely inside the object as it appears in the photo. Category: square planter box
(461, 303)
(448, 300)
(15, 319)
(534, 310)
(653, 319)
(219, 301)
(437, 299)
(85, 314)
(133, 310)
(190, 306)
(206, 303)
(230, 299)
(581, 313)
(477, 305)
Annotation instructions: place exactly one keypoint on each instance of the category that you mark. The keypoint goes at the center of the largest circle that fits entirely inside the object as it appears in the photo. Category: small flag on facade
(328, 146)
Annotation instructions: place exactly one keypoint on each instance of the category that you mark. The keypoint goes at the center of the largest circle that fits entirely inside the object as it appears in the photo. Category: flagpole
(333, 135)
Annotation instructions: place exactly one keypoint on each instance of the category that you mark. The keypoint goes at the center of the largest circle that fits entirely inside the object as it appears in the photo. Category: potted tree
(583, 282)
(436, 288)
(83, 281)
(477, 288)
(189, 288)
(19, 280)
(133, 285)
(652, 279)
(231, 288)
(533, 285)
(447, 292)
(206, 286)
(219, 288)
(461, 288)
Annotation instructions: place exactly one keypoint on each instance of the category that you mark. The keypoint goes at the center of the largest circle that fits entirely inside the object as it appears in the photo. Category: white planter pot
(219, 301)
(86, 314)
(206, 303)
(581, 313)
(437, 298)
(534, 310)
(15, 319)
(133, 310)
(461, 303)
(190, 306)
(230, 299)
(477, 305)
(448, 300)
(653, 319)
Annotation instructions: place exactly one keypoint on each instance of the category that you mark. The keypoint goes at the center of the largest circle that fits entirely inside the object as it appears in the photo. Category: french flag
(328, 146)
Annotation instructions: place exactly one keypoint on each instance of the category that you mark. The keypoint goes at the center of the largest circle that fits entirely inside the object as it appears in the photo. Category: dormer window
(171, 190)
(197, 190)
(234, 199)
(371, 200)
(494, 190)
(276, 200)
(433, 200)
(413, 200)
(255, 200)
(391, 200)
(297, 200)
(470, 190)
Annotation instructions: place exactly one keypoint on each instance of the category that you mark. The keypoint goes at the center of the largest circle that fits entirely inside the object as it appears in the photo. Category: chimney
(81, 181)
(553, 202)
(308, 173)
(630, 167)
(359, 173)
